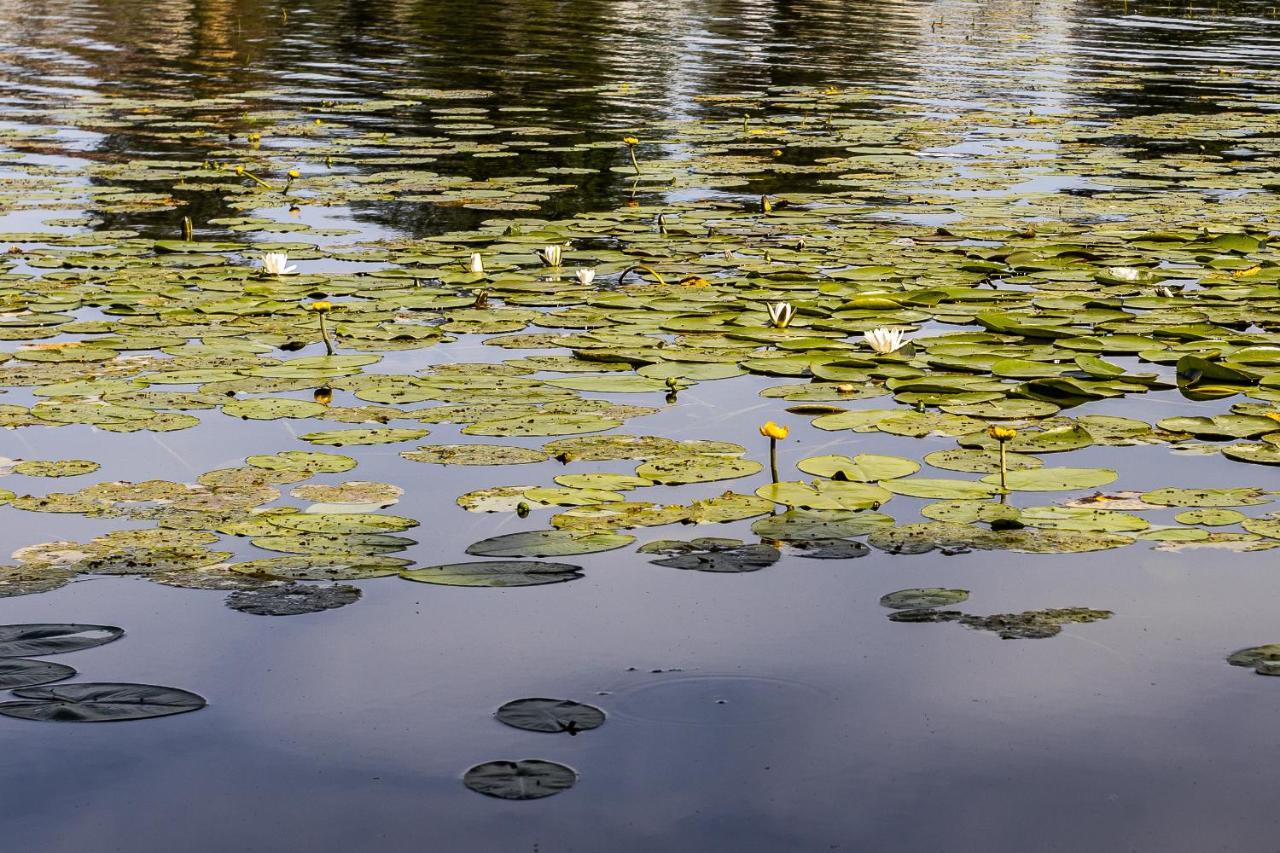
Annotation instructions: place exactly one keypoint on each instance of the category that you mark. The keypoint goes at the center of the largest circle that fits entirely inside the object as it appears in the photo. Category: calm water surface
(771, 711)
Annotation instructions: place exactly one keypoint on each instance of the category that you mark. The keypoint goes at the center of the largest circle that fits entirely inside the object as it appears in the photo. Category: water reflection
(348, 730)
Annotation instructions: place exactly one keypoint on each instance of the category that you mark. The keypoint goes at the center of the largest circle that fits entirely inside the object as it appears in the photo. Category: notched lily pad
(550, 715)
(528, 779)
(41, 638)
(548, 543)
(495, 573)
(105, 702)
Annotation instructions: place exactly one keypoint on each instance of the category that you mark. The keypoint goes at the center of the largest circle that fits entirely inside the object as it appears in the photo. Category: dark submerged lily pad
(550, 715)
(528, 779)
(19, 672)
(39, 638)
(105, 702)
(292, 599)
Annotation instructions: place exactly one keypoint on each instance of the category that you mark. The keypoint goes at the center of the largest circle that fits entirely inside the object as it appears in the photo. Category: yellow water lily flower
(321, 307)
(775, 431)
(1002, 434)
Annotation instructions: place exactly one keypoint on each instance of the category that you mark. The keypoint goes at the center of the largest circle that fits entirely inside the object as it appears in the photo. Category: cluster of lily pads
(40, 698)
(1020, 311)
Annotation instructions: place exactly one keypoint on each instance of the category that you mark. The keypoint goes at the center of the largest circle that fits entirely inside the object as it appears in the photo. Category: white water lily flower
(885, 340)
(585, 277)
(1125, 273)
(277, 263)
(476, 264)
(551, 255)
(781, 314)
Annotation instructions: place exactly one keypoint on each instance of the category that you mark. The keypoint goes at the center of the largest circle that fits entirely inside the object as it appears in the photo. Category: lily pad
(906, 599)
(292, 599)
(18, 672)
(497, 573)
(548, 543)
(528, 779)
(38, 638)
(555, 716)
(709, 554)
(105, 702)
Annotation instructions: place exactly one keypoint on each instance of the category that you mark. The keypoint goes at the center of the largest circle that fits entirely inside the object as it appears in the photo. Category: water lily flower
(552, 255)
(586, 276)
(277, 263)
(1003, 435)
(476, 264)
(1125, 273)
(773, 432)
(321, 308)
(885, 340)
(631, 142)
(781, 314)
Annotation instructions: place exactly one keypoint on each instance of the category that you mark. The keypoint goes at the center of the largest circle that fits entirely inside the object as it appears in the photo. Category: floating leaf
(106, 702)
(550, 715)
(906, 599)
(709, 554)
(548, 543)
(38, 638)
(292, 599)
(17, 672)
(1053, 479)
(529, 779)
(475, 454)
(498, 573)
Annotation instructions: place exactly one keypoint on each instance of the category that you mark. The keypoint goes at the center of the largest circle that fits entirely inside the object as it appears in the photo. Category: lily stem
(324, 335)
(631, 149)
(773, 458)
(1003, 462)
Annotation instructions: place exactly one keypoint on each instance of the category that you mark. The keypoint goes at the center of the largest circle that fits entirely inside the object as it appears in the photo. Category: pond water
(1069, 208)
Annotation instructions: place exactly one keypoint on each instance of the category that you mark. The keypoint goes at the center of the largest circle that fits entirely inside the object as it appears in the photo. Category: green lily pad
(863, 468)
(56, 468)
(496, 573)
(696, 469)
(354, 437)
(475, 454)
(548, 543)
(1053, 479)
(1172, 496)
(907, 599)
